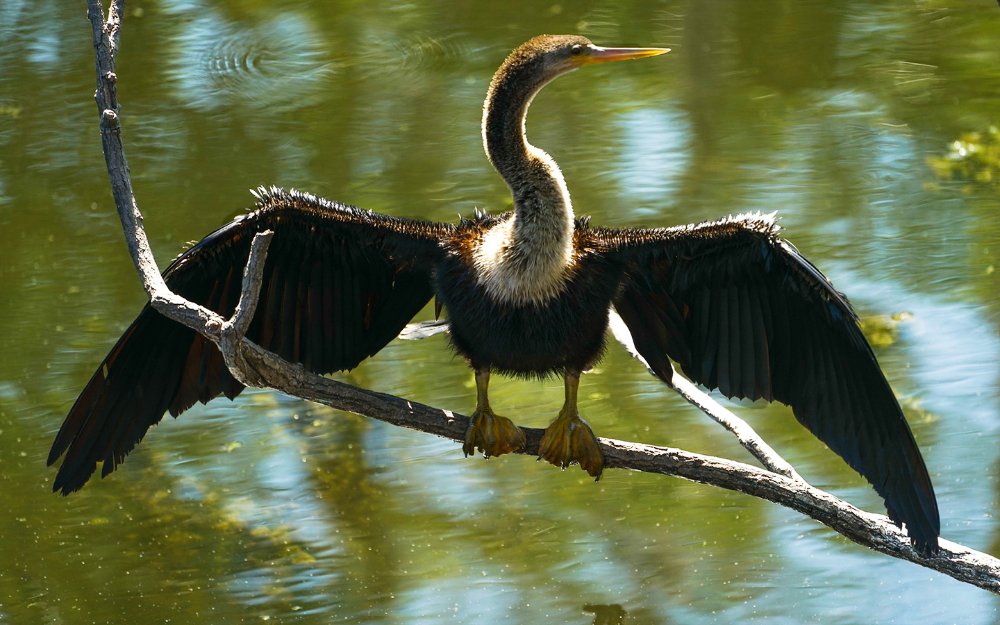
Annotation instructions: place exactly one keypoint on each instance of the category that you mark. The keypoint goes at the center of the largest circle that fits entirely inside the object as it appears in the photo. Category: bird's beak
(603, 55)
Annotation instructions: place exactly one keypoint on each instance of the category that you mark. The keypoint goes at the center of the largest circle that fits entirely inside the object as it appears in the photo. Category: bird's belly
(535, 338)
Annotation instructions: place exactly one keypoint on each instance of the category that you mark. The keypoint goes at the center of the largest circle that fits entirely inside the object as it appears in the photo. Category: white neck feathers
(526, 258)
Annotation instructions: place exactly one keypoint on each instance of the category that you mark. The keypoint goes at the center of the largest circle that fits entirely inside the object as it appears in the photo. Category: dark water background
(274, 510)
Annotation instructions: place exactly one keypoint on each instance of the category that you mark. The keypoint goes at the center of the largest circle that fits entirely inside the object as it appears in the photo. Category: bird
(528, 292)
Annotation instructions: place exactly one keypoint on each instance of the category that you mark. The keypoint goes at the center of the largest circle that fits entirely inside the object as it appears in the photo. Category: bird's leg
(569, 439)
(489, 432)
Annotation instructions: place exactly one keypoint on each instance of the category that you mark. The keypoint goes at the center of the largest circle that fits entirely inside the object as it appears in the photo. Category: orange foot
(492, 434)
(569, 439)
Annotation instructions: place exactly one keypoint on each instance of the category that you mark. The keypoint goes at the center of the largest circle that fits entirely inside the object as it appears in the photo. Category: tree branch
(745, 434)
(255, 366)
(234, 330)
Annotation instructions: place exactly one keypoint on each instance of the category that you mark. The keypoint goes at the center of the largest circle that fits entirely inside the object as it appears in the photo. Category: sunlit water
(274, 510)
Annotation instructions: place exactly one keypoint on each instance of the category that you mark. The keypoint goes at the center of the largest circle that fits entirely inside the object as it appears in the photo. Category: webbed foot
(492, 434)
(569, 439)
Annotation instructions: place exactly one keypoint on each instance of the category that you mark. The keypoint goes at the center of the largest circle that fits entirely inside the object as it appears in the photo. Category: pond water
(270, 509)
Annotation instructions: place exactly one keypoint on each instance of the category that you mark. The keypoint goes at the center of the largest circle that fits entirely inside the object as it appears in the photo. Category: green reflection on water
(272, 509)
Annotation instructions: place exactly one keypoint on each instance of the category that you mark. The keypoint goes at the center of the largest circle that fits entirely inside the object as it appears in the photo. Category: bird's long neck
(527, 255)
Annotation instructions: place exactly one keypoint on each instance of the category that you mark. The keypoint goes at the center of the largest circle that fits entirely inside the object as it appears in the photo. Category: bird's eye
(576, 50)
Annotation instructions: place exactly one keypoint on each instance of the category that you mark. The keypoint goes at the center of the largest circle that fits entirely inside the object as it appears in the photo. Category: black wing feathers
(739, 309)
(339, 283)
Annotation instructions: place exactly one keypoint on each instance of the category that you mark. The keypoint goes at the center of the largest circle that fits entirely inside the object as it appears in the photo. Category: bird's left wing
(739, 309)
(339, 283)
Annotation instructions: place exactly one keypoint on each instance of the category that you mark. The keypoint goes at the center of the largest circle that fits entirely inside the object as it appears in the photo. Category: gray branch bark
(255, 366)
(746, 435)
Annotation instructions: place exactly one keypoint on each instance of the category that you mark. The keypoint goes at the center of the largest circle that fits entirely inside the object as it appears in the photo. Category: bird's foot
(569, 439)
(492, 434)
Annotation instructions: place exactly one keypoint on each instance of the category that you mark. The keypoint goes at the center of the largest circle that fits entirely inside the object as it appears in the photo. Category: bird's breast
(523, 265)
(515, 330)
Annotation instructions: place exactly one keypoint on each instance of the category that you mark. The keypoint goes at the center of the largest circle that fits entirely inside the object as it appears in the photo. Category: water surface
(272, 509)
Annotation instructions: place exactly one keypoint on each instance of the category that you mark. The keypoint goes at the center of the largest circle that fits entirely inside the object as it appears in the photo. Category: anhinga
(527, 293)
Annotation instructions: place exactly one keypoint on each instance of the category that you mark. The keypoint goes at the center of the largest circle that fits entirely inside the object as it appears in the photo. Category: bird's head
(546, 57)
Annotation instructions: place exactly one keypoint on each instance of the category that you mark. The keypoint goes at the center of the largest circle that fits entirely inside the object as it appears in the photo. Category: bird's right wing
(339, 283)
(740, 310)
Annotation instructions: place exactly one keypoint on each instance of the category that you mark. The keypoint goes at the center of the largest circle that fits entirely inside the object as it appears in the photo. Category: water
(274, 510)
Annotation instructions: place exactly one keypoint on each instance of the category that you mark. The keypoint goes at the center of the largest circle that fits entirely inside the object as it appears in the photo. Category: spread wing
(740, 310)
(339, 283)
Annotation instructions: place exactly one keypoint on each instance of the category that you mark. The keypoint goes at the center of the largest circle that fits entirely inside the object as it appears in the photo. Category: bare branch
(746, 435)
(234, 330)
(250, 363)
(253, 277)
(106, 36)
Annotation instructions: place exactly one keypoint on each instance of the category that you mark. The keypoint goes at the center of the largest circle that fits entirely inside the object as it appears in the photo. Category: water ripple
(279, 65)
